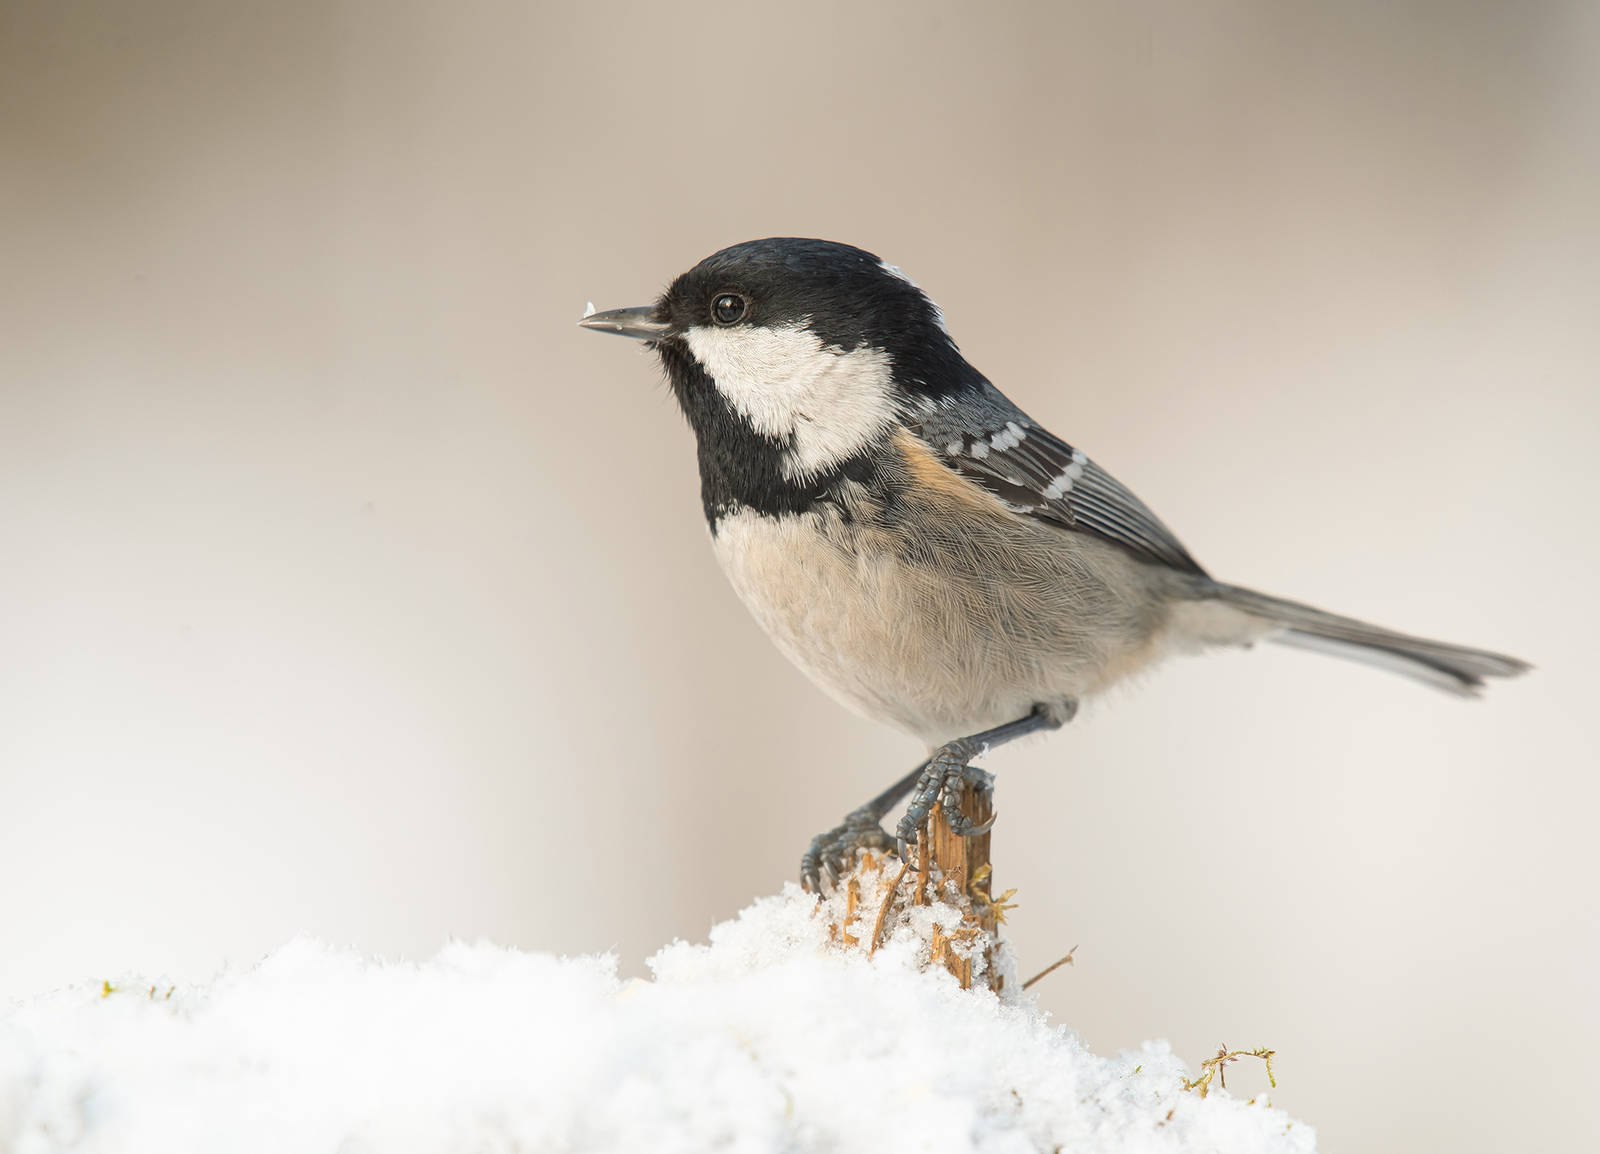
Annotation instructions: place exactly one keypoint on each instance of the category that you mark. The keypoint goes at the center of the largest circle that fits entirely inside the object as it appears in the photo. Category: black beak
(638, 323)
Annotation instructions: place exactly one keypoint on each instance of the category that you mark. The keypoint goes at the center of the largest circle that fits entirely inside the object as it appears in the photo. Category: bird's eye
(727, 308)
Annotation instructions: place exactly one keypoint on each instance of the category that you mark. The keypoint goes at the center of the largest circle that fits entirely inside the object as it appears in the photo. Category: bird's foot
(832, 855)
(946, 774)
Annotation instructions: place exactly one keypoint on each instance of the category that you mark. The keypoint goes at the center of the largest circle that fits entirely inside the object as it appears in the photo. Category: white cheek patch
(790, 385)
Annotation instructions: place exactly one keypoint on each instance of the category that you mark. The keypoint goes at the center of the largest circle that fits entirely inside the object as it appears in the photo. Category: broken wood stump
(946, 872)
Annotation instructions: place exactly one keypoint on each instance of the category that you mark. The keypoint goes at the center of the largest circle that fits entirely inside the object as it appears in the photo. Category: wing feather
(986, 439)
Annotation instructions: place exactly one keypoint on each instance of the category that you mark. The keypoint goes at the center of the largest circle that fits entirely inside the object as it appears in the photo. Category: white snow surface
(769, 1038)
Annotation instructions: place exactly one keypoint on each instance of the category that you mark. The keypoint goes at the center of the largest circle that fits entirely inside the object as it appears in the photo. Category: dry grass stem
(1215, 1068)
(1052, 967)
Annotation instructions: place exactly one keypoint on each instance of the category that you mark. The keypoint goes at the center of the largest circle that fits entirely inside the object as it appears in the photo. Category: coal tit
(920, 547)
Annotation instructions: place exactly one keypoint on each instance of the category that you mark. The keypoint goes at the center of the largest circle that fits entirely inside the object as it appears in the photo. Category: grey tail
(1452, 668)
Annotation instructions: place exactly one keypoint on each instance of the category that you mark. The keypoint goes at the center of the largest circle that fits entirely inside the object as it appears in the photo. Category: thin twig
(1051, 968)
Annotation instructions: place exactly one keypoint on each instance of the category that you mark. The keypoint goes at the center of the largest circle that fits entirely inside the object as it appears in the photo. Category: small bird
(917, 544)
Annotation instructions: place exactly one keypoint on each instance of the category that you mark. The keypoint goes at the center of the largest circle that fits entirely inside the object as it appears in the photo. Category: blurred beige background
(349, 589)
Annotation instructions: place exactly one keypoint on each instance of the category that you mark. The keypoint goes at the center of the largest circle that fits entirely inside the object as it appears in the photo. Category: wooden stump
(952, 873)
(965, 862)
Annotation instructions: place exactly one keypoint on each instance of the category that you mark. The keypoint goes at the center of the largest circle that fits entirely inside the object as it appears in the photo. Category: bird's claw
(942, 782)
(950, 802)
(832, 855)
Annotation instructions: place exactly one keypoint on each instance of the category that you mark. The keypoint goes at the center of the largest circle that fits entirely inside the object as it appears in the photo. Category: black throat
(741, 468)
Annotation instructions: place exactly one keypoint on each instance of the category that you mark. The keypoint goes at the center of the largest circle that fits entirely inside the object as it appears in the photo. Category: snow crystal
(772, 1036)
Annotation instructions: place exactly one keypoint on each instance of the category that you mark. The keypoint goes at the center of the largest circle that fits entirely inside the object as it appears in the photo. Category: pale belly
(942, 639)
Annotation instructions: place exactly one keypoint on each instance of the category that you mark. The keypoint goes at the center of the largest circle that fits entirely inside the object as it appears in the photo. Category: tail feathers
(1452, 668)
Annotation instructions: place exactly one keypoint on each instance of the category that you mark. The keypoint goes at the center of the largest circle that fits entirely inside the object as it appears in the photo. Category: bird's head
(811, 349)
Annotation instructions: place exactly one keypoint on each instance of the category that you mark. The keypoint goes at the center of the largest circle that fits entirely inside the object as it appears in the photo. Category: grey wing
(985, 438)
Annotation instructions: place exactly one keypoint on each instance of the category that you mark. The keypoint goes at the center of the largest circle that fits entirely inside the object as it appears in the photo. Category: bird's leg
(833, 853)
(944, 774)
(936, 781)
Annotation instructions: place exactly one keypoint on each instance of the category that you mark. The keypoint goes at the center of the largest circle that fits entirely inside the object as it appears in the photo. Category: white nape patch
(788, 384)
(899, 274)
(1069, 477)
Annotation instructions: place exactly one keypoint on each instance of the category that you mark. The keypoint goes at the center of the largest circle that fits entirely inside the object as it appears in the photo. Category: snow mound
(771, 1037)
